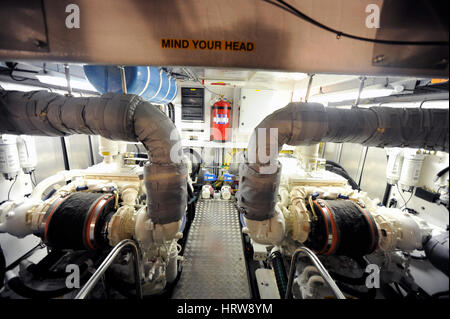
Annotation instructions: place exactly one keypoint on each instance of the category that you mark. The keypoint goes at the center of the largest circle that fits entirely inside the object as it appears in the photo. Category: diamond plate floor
(214, 266)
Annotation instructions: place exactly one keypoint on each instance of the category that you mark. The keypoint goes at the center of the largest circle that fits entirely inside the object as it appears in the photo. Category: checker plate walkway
(214, 265)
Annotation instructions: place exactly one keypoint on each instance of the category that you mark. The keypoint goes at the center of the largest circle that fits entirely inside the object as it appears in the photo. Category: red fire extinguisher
(221, 120)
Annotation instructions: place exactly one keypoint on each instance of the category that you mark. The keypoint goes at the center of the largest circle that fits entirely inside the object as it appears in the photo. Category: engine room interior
(176, 168)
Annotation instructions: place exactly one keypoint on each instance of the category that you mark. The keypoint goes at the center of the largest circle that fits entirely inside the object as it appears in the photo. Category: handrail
(108, 261)
(320, 267)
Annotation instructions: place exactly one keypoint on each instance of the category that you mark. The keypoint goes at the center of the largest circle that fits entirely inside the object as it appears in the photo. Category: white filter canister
(122, 147)
(412, 165)
(27, 152)
(308, 156)
(107, 147)
(9, 157)
(394, 165)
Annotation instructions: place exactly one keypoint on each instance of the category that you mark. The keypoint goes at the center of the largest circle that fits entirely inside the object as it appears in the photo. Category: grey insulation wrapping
(255, 196)
(309, 123)
(113, 116)
(387, 126)
(51, 114)
(167, 183)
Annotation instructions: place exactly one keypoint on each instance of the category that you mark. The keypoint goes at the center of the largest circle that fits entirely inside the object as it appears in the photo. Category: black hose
(332, 163)
(171, 107)
(344, 174)
(340, 170)
(387, 192)
(17, 285)
(50, 194)
(442, 172)
(280, 272)
(170, 110)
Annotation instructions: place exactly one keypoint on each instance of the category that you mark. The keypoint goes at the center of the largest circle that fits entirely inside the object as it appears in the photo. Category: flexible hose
(280, 272)
(332, 163)
(344, 174)
(442, 172)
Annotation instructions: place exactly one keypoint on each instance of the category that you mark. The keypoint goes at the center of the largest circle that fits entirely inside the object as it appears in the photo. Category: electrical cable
(10, 188)
(292, 10)
(33, 178)
(195, 79)
(405, 202)
(13, 68)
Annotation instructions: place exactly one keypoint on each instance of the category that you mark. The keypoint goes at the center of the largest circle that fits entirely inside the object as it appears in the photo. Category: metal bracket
(320, 267)
(107, 263)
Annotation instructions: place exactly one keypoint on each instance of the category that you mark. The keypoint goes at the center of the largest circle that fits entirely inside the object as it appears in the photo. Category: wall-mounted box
(192, 104)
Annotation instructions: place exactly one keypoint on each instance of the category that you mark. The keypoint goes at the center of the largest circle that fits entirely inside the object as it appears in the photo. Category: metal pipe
(107, 263)
(308, 89)
(91, 152)
(67, 73)
(64, 153)
(361, 87)
(123, 79)
(320, 267)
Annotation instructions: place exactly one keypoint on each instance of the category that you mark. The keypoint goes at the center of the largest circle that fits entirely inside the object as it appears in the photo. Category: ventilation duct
(310, 123)
(113, 116)
(150, 83)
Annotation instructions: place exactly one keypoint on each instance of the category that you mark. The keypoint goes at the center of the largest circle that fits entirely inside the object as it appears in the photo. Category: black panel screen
(192, 100)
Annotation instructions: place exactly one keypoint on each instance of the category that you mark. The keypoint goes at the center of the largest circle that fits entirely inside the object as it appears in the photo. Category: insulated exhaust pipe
(310, 123)
(116, 117)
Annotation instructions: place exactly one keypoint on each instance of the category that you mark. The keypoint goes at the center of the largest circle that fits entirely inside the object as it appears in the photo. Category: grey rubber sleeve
(310, 123)
(113, 116)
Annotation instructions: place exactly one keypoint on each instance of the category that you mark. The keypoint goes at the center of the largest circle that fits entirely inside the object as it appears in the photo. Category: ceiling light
(351, 95)
(57, 79)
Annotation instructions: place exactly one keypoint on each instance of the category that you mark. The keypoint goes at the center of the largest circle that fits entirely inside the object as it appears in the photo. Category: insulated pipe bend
(310, 123)
(113, 116)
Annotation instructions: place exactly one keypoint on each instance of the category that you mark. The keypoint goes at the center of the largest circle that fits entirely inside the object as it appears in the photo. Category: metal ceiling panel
(132, 32)
(22, 26)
